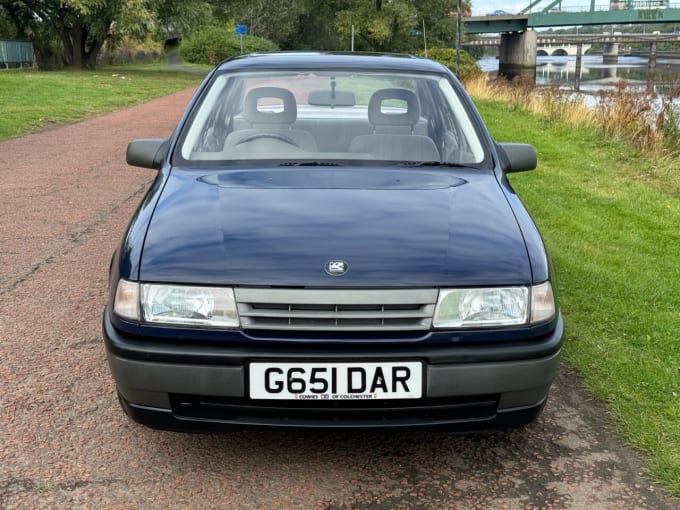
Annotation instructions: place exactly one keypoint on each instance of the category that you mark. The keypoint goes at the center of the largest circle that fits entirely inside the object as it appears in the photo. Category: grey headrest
(409, 118)
(255, 116)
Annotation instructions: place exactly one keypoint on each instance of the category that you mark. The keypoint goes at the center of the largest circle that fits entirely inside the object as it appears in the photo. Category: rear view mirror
(146, 152)
(517, 157)
(331, 98)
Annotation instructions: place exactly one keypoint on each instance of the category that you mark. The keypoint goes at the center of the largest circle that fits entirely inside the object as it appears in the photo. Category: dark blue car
(331, 241)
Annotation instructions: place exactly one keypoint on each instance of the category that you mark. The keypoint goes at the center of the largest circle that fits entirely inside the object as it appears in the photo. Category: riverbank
(648, 122)
(609, 216)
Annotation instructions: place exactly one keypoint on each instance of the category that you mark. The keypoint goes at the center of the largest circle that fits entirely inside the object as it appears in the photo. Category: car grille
(336, 310)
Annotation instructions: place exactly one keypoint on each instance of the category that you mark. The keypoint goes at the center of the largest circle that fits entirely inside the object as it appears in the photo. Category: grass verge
(33, 100)
(614, 239)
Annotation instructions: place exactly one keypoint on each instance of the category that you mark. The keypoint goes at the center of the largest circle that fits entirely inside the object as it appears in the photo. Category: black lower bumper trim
(189, 415)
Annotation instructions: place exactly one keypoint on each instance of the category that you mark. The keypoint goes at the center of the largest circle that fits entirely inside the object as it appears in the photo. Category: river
(595, 75)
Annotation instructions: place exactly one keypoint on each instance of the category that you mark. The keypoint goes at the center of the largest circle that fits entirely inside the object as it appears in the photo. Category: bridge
(553, 15)
(545, 47)
(552, 44)
(519, 40)
(564, 39)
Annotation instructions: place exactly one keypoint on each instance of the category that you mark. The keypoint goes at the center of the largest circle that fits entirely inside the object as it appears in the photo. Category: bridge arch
(560, 50)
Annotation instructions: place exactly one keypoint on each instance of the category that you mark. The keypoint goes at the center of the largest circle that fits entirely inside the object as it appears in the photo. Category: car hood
(405, 227)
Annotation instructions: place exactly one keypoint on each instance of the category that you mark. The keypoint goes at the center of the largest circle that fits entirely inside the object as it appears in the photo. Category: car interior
(274, 122)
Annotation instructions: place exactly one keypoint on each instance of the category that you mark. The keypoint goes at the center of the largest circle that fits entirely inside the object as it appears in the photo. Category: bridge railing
(636, 4)
(552, 39)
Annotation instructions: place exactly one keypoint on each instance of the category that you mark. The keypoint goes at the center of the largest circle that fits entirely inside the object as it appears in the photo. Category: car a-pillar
(517, 55)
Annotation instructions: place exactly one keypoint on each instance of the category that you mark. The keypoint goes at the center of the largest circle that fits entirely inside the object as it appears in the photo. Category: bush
(125, 50)
(447, 56)
(211, 45)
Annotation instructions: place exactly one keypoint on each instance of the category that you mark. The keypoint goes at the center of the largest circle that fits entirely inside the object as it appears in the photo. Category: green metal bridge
(620, 12)
(518, 39)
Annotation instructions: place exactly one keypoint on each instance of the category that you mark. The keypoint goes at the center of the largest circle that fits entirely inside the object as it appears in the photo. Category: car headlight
(494, 307)
(177, 304)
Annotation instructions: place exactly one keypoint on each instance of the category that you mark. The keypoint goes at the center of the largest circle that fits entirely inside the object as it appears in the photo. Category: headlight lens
(176, 304)
(494, 307)
(466, 308)
(188, 305)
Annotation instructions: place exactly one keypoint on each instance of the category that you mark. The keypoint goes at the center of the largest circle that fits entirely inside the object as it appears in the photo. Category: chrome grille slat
(336, 309)
(245, 310)
(331, 325)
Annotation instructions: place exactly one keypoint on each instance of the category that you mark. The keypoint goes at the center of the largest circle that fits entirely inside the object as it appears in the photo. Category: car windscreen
(339, 117)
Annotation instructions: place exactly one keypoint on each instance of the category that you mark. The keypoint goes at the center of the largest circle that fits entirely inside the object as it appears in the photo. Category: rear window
(363, 118)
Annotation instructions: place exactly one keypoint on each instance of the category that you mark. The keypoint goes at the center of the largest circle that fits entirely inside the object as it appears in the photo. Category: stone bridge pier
(611, 53)
(517, 55)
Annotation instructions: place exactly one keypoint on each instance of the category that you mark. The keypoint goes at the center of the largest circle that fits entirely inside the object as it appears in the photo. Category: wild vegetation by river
(649, 124)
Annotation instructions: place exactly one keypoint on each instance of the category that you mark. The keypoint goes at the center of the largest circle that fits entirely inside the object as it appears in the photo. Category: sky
(482, 7)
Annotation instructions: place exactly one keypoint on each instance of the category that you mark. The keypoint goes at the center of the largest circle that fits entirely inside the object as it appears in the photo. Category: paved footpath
(65, 198)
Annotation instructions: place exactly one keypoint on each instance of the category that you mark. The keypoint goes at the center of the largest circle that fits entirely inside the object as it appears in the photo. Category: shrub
(447, 56)
(629, 115)
(212, 44)
(125, 50)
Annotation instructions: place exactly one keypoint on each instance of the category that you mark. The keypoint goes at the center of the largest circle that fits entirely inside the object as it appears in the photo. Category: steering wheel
(274, 136)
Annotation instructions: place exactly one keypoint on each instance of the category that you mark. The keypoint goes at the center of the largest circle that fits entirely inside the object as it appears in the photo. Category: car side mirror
(146, 152)
(517, 157)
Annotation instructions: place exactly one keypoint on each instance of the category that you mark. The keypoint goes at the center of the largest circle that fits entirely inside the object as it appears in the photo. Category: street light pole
(458, 25)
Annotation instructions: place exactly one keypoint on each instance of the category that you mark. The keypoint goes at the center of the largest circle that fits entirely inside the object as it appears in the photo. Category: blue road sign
(241, 30)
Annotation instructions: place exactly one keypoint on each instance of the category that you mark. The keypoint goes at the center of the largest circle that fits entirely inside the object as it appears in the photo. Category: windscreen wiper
(310, 163)
(432, 163)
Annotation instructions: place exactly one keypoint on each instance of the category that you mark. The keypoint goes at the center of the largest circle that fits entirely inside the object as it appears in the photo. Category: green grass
(615, 241)
(32, 100)
(200, 67)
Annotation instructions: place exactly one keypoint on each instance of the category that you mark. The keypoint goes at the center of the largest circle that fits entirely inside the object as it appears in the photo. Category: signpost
(241, 30)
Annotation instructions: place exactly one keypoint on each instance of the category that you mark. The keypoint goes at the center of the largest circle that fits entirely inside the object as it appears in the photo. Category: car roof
(326, 61)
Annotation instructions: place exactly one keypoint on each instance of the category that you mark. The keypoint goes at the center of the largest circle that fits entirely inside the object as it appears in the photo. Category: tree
(440, 20)
(276, 20)
(79, 28)
(447, 56)
(378, 25)
(75, 30)
(316, 27)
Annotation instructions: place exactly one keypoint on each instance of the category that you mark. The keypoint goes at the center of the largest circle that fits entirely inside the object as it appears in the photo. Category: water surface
(595, 75)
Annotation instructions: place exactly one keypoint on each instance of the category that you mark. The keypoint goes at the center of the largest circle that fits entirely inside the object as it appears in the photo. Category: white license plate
(336, 381)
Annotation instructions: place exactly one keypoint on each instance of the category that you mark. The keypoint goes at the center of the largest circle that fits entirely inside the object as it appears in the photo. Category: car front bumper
(465, 389)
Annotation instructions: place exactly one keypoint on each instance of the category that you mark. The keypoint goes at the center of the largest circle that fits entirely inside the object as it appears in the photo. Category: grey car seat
(393, 136)
(271, 121)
